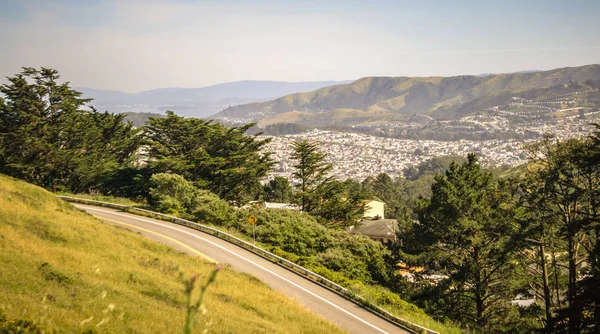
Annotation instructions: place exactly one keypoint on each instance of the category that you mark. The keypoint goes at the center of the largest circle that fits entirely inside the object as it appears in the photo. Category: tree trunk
(547, 294)
(478, 292)
(595, 264)
(574, 315)
(556, 282)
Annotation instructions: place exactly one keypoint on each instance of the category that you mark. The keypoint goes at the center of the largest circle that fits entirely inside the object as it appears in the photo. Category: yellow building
(374, 209)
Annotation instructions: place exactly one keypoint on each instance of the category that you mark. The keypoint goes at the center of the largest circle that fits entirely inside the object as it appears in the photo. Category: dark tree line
(223, 160)
(48, 137)
(52, 137)
(490, 240)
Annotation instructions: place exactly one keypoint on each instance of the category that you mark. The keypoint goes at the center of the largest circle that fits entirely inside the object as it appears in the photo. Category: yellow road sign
(252, 219)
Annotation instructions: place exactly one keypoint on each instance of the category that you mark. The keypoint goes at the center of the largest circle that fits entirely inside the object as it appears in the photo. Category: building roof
(377, 228)
(372, 200)
(272, 205)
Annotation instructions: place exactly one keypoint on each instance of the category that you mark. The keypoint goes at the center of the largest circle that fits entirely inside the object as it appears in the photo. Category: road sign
(252, 219)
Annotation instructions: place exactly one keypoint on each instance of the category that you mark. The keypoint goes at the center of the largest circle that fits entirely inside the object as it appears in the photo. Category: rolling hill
(67, 272)
(197, 102)
(385, 99)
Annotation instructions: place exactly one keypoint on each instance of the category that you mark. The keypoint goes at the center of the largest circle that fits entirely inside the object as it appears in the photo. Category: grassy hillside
(338, 117)
(67, 271)
(437, 96)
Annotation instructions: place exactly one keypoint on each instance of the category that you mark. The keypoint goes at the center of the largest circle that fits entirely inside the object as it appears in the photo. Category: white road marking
(247, 260)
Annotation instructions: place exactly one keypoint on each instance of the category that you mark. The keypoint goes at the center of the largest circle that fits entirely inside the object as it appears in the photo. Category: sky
(136, 45)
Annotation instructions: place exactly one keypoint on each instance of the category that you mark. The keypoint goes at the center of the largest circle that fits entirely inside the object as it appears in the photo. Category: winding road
(318, 299)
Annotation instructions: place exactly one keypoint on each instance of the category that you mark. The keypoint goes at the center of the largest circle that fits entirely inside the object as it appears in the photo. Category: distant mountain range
(197, 102)
(390, 99)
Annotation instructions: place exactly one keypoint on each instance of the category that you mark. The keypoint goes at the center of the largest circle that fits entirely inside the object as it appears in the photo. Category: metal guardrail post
(405, 324)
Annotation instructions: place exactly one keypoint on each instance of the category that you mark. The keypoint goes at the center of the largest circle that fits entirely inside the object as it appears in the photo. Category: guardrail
(405, 324)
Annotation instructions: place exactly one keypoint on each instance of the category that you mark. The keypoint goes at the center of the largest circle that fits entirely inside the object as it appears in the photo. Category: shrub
(291, 231)
(210, 209)
(355, 256)
(172, 193)
(343, 261)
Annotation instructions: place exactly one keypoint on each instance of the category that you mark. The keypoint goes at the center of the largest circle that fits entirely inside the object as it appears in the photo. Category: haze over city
(138, 45)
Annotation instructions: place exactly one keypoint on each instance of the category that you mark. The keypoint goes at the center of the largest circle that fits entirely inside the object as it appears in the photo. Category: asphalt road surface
(320, 300)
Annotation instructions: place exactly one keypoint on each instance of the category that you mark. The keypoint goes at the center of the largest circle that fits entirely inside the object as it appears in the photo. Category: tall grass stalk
(193, 308)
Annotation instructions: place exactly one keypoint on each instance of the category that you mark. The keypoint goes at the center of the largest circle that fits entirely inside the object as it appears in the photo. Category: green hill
(66, 271)
(390, 98)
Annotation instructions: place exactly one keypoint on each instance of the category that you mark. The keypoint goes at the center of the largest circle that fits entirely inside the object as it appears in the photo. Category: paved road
(320, 300)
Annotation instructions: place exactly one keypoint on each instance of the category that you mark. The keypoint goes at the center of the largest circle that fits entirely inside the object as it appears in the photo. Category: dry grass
(102, 198)
(288, 117)
(70, 272)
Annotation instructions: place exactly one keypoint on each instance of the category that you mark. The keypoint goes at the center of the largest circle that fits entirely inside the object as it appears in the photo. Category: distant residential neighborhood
(358, 156)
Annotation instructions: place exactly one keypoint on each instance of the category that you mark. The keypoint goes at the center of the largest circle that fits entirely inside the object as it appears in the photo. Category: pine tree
(49, 135)
(223, 160)
(465, 233)
(568, 181)
(332, 202)
(311, 172)
(278, 190)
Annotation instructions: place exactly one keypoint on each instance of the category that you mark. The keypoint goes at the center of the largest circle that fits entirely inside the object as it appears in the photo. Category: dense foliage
(50, 137)
(465, 233)
(172, 193)
(472, 243)
(318, 193)
(222, 160)
(354, 256)
(488, 241)
(561, 195)
(278, 190)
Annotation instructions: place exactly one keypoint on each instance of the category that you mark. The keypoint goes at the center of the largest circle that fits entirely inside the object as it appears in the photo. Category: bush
(343, 261)
(286, 255)
(209, 208)
(354, 256)
(372, 253)
(291, 231)
(172, 193)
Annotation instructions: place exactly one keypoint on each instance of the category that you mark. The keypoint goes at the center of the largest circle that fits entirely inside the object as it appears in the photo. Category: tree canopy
(49, 136)
(222, 160)
(464, 232)
(318, 193)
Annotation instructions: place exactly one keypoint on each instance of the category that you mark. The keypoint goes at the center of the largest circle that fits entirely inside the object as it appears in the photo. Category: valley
(516, 106)
(360, 153)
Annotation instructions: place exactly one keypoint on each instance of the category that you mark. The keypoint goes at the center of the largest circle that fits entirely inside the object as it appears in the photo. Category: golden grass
(288, 117)
(102, 198)
(377, 295)
(70, 272)
(393, 104)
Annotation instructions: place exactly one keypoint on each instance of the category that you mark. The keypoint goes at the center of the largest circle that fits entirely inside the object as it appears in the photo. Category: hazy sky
(137, 45)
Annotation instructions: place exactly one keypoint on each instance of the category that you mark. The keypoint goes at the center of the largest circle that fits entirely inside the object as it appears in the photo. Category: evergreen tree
(311, 171)
(278, 190)
(49, 136)
(332, 202)
(465, 233)
(337, 206)
(566, 193)
(222, 160)
(390, 192)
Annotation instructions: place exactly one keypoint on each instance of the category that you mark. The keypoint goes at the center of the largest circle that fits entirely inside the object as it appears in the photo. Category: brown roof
(377, 228)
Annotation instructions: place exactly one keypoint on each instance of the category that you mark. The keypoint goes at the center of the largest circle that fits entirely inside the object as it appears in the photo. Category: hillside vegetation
(440, 97)
(64, 270)
(481, 242)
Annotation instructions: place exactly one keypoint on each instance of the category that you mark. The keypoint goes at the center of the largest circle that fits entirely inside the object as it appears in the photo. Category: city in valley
(357, 156)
